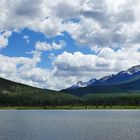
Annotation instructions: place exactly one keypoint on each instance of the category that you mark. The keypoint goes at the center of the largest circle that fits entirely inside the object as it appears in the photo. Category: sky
(54, 44)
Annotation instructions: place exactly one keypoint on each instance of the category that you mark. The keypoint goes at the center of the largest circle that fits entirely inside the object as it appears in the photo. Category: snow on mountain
(92, 81)
(134, 69)
(79, 84)
(82, 84)
(106, 78)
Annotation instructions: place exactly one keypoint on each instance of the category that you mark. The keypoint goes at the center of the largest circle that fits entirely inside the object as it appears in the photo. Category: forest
(15, 94)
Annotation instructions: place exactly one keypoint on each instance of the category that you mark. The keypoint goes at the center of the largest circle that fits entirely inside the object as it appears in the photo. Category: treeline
(64, 99)
(112, 100)
(19, 100)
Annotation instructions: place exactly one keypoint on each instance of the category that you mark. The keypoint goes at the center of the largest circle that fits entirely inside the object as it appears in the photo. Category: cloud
(111, 29)
(49, 26)
(26, 71)
(66, 9)
(44, 46)
(28, 8)
(68, 67)
(20, 14)
(101, 23)
(26, 38)
(106, 62)
(105, 24)
(4, 39)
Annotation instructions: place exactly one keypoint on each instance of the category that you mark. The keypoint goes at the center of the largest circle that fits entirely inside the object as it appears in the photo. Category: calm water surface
(70, 125)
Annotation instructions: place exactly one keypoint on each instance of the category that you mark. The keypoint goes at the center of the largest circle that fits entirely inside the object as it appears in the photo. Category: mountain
(16, 94)
(82, 84)
(124, 81)
(121, 77)
(78, 84)
(10, 87)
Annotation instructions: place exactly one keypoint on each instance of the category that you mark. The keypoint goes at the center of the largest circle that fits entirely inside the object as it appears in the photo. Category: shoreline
(67, 107)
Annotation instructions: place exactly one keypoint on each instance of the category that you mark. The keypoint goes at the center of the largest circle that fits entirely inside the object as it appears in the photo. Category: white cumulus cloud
(44, 46)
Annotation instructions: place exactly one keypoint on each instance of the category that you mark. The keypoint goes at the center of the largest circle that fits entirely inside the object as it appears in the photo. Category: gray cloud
(65, 10)
(95, 15)
(29, 8)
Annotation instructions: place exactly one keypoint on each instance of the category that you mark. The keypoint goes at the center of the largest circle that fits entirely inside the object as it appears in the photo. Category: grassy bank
(66, 107)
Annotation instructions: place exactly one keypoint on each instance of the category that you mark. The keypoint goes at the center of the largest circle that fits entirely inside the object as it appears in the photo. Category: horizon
(74, 84)
(55, 45)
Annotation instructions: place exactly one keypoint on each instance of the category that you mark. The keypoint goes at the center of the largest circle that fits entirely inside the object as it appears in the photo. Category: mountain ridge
(124, 81)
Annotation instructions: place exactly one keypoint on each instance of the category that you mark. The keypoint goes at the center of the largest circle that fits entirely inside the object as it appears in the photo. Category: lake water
(70, 125)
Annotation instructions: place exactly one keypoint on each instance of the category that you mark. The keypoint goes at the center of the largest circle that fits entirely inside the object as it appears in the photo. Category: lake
(70, 125)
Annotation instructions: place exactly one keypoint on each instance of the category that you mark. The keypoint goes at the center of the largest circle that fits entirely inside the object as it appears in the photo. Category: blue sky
(19, 44)
(56, 44)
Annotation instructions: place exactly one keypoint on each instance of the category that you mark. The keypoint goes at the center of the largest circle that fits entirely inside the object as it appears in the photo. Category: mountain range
(120, 89)
(124, 81)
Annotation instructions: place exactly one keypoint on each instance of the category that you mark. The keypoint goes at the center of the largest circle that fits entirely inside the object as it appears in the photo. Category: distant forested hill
(15, 94)
(12, 93)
